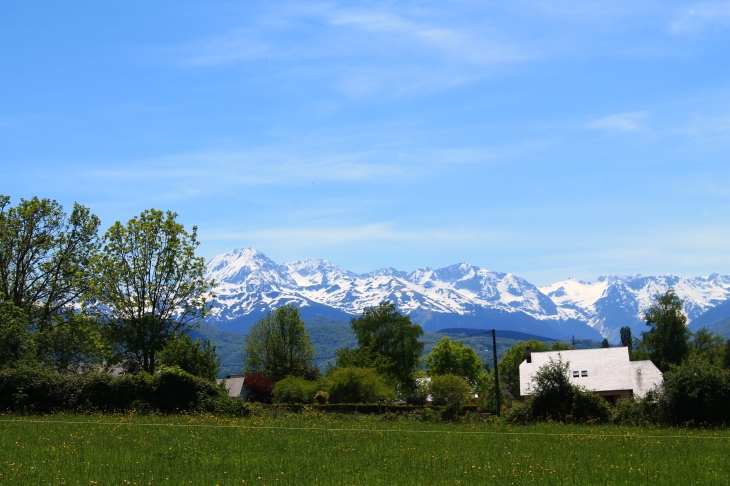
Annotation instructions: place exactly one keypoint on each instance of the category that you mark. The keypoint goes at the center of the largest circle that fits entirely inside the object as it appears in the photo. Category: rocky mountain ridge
(460, 295)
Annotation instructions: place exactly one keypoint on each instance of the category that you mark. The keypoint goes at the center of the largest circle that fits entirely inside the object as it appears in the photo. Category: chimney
(528, 354)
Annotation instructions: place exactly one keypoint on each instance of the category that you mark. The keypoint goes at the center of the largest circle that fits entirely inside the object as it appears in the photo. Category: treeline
(74, 301)
(386, 365)
(695, 390)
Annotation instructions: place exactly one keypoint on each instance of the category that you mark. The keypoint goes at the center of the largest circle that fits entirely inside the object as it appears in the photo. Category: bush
(636, 411)
(30, 390)
(589, 407)
(321, 397)
(552, 393)
(294, 389)
(357, 385)
(695, 392)
(260, 388)
(452, 392)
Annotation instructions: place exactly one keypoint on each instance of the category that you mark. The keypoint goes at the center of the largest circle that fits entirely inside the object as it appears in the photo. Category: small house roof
(235, 385)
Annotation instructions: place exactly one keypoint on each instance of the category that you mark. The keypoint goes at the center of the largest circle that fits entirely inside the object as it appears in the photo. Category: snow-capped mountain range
(461, 295)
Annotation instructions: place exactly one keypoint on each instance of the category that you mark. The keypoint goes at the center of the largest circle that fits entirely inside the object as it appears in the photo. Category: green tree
(509, 365)
(668, 337)
(726, 358)
(17, 347)
(560, 346)
(552, 392)
(626, 338)
(451, 391)
(45, 256)
(708, 345)
(72, 342)
(455, 358)
(384, 331)
(150, 287)
(604, 343)
(197, 358)
(278, 345)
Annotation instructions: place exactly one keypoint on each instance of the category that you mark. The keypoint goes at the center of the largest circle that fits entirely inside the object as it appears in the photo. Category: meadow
(310, 448)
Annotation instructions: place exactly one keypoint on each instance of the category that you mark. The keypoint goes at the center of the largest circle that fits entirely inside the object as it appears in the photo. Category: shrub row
(171, 390)
(366, 408)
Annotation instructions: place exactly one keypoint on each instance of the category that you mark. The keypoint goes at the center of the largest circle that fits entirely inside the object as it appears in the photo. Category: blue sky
(547, 139)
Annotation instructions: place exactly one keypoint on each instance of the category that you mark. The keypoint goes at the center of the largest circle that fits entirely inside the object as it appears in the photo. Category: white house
(606, 371)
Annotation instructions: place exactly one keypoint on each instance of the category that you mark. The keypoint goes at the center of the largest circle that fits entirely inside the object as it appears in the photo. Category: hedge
(170, 390)
(365, 408)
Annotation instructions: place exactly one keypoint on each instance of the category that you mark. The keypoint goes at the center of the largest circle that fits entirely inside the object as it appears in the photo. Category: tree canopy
(454, 357)
(278, 345)
(149, 285)
(509, 365)
(45, 255)
(668, 337)
(383, 331)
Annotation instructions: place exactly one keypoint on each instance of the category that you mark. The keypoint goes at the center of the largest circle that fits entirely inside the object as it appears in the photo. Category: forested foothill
(108, 322)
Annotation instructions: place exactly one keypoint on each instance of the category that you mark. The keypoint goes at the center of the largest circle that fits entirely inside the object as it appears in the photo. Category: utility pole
(496, 372)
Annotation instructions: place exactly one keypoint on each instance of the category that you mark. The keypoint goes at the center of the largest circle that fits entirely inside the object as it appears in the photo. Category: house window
(575, 374)
(584, 373)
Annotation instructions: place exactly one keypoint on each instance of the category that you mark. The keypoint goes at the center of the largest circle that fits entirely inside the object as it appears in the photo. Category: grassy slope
(328, 335)
(299, 449)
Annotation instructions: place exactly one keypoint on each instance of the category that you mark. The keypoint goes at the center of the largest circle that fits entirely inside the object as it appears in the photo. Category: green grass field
(329, 450)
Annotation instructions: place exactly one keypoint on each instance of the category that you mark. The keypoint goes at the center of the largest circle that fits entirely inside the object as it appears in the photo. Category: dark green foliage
(294, 389)
(72, 342)
(726, 358)
(626, 338)
(384, 331)
(604, 343)
(17, 347)
(357, 385)
(552, 392)
(589, 408)
(708, 346)
(637, 411)
(450, 391)
(36, 391)
(560, 346)
(668, 338)
(278, 345)
(195, 357)
(451, 357)
(695, 392)
(509, 365)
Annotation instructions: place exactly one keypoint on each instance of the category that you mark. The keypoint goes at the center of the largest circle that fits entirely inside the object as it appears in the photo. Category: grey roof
(600, 370)
(235, 385)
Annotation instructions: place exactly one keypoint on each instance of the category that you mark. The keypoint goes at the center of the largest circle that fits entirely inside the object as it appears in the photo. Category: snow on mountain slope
(612, 302)
(249, 282)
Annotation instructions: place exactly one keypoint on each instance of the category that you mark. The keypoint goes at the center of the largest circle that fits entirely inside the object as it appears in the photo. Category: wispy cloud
(701, 16)
(621, 122)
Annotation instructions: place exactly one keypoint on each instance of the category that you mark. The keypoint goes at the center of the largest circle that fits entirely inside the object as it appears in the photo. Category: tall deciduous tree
(196, 357)
(451, 357)
(668, 337)
(509, 365)
(278, 345)
(384, 331)
(45, 255)
(150, 286)
(626, 338)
